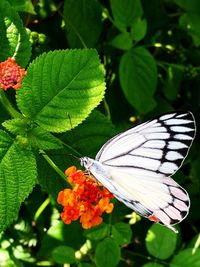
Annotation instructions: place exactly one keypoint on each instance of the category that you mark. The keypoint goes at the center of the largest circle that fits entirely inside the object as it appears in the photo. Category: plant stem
(54, 166)
(196, 245)
(108, 115)
(41, 208)
(107, 14)
(45, 263)
(178, 66)
(8, 106)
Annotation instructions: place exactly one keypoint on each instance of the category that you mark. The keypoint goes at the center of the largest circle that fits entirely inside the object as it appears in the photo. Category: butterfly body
(136, 166)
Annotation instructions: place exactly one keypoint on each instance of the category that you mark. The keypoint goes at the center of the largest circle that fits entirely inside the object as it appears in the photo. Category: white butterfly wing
(140, 161)
(162, 197)
(155, 148)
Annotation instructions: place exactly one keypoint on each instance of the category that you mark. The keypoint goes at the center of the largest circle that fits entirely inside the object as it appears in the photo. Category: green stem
(45, 263)
(162, 63)
(41, 208)
(107, 109)
(110, 224)
(107, 14)
(196, 245)
(54, 166)
(8, 106)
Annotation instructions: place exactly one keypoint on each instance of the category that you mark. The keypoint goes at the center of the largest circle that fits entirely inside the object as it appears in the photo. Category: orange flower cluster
(11, 74)
(86, 200)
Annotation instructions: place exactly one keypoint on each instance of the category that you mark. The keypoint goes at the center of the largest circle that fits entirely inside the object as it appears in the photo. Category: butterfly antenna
(74, 157)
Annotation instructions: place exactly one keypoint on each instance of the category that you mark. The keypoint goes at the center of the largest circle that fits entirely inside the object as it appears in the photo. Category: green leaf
(122, 233)
(138, 78)
(61, 234)
(5, 258)
(125, 12)
(21, 254)
(61, 88)
(5, 143)
(23, 6)
(64, 254)
(138, 29)
(36, 136)
(14, 40)
(190, 22)
(107, 253)
(17, 177)
(88, 137)
(153, 264)
(191, 19)
(122, 41)
(172, 82)
(161, 241)
(84, 264)
(186, 258)
(192, 6)
(194, 242)
(83, 22)
(98, 232)
(42, 139)
(16, 126)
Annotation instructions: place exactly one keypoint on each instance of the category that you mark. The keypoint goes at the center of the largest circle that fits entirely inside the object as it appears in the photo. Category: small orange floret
(75, 176)
(86, 200)
(67, 197)
(11, 74)
(70, 214)
(105, 205)
(70, 171)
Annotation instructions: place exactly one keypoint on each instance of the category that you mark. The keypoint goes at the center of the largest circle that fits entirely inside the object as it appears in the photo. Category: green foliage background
(94, 68)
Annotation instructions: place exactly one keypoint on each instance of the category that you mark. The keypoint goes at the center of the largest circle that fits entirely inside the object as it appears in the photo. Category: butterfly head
(86, 162)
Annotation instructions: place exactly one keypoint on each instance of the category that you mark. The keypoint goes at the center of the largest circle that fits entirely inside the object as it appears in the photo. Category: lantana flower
(87, 200)
(11, 74)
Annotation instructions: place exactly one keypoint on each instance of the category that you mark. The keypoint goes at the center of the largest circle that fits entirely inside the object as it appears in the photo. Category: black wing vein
(159, 145)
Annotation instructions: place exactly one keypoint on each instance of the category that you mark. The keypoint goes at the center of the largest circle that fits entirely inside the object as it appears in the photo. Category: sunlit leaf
(17, 177)
(61, 88)
(14, 38)
(23, 6)
(61, 234)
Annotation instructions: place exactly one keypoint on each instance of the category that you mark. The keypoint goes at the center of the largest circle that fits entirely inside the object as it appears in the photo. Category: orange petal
(67, 197)
(70, 171)
(70, 214)
(105, 205)
(89, 219)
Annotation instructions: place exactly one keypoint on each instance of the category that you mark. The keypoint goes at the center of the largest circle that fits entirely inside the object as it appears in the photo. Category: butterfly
(136, 165)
